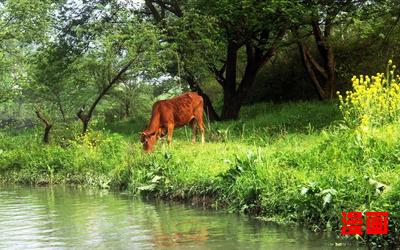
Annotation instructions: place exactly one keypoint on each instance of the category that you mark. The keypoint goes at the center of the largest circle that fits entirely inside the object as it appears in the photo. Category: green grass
(290, 163)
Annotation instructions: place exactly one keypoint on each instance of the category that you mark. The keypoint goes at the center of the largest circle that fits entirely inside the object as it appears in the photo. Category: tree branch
(47, 126)
(249, 52)
(42, 118)
(111, 83)
(219, 74)
(310, 71)
(314, 63)
(153, 10)
(172, 6)
(271, 51)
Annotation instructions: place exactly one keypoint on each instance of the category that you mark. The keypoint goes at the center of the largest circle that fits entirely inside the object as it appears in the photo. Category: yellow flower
(372, 101)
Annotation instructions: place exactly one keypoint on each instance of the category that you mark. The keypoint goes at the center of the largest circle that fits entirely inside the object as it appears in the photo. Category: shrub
(374, 101)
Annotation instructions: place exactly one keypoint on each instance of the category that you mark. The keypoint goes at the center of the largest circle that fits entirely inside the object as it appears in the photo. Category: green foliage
(205, 46)
(22, 23)
(301, 175)
(16, 24)
(78, 160)
(291, 161)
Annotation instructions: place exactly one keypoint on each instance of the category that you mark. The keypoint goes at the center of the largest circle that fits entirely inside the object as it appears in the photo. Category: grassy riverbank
(290, 162)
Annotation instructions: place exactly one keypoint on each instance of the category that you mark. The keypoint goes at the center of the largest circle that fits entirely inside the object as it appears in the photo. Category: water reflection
(64, 217)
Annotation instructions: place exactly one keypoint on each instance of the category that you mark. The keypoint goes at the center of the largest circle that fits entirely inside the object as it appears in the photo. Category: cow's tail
(201, 102)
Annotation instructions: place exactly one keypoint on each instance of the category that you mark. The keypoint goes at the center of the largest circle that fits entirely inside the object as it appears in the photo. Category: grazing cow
(173, 113)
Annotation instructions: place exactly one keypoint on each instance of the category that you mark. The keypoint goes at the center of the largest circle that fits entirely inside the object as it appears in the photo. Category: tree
(253, 28)
(51, 82)
(322, 17)
(192, 36)
(131, 98)
(121, 52)
(96, 46)
(18, 31)
(250, 28)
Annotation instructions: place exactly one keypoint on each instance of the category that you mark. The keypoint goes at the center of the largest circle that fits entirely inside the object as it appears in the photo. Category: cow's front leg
(170, 130)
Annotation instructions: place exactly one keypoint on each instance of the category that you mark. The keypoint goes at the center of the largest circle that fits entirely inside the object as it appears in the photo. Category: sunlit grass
(293, 162)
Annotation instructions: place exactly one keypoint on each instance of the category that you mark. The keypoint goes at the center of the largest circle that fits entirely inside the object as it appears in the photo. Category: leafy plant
(374, 101)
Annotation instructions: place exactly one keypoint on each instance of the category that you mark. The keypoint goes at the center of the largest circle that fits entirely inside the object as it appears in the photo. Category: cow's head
(148, 139)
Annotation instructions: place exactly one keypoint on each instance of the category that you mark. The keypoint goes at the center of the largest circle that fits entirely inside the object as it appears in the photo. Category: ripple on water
(59, 218)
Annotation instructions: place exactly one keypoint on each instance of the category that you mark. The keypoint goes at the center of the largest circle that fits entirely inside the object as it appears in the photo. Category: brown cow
(173, 113)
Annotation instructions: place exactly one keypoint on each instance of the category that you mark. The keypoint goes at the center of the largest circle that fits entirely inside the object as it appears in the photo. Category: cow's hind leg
(200, 124)
(194, 125)
(170, 130)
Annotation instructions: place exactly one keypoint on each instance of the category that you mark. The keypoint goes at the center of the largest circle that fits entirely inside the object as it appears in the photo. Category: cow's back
(179, 110)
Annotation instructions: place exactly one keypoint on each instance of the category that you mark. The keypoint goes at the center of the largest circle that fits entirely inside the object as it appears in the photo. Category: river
(65, 217)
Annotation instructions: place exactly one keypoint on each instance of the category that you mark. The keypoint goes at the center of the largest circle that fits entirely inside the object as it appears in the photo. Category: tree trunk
(257, 56)
(322, 75)
(230, 110)
(230, 107)
(310, 72)
(85, 125)
(62, 113)
(46, 136)
(235, 96)
(85, 118)
(61, 109)
(47, 127)
(325, 84)
(127, 105)
(330, 67)
(233, 100)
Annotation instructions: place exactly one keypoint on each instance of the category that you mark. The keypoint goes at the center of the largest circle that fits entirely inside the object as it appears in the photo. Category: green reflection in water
(65, 217)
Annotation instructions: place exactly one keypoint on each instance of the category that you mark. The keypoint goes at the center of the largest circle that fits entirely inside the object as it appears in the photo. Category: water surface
(65, 217)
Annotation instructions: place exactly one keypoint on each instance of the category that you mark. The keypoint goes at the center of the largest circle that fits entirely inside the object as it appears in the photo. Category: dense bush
(373, 101)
